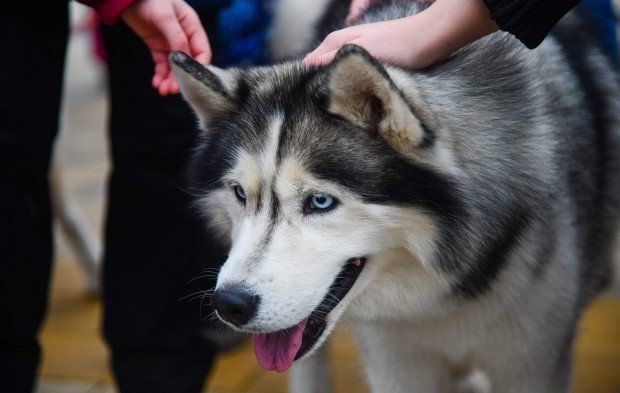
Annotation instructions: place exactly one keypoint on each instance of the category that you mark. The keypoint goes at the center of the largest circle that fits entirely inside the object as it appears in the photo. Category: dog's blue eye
(239, 193)
(319, 203)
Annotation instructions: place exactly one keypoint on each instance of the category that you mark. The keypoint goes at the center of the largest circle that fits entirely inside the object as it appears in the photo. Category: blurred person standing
(154, 242)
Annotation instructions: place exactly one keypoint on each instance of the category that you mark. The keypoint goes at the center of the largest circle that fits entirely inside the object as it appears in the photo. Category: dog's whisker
(197, 293)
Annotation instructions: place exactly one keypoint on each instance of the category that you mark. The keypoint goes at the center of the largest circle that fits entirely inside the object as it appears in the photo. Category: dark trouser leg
(155, 242)
(33, 39)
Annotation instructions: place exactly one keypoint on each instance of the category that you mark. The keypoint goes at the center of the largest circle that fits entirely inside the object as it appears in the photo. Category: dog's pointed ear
(209, 90)
(359, 89)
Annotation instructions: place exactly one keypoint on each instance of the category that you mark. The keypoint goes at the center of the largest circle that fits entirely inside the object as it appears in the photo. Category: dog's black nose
(235, 304)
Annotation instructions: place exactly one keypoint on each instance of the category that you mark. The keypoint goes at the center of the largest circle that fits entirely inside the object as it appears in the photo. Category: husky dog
(458, 218)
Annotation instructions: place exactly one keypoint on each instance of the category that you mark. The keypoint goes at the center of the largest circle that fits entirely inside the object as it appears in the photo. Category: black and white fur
(481, 191)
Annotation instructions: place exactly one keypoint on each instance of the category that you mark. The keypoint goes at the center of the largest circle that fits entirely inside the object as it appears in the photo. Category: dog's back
(599, 170)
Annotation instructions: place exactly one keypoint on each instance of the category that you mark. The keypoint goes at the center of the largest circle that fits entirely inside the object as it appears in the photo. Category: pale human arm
(412, 42)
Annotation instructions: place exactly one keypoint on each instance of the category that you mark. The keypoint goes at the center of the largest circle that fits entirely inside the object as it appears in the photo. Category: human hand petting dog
(166, 26)
(416, 41)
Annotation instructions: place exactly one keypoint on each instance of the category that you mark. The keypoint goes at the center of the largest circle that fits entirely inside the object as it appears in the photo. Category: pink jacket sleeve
(109, 10)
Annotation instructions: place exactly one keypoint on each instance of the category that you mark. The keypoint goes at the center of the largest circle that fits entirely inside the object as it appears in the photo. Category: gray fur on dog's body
(491, 231)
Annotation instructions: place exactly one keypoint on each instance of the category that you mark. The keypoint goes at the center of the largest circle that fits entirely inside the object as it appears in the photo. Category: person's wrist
(448, 25)
(425, 41)
(460, 22)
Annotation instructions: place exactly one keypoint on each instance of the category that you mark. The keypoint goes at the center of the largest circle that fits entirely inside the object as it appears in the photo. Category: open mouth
(276, 351)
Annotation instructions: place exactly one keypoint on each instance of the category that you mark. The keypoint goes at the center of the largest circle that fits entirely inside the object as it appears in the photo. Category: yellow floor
(73, 349)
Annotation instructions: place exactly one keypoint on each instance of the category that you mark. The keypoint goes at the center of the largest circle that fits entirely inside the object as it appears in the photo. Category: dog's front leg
(312, 375)
(395, 364)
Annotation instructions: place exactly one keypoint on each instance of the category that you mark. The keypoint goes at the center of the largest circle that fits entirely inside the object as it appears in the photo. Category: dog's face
(307, 174)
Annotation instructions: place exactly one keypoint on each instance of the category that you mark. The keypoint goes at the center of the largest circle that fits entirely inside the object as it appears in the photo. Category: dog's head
(311, 177)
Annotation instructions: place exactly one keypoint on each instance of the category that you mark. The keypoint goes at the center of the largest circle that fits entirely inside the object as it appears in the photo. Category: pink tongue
(276, 351)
